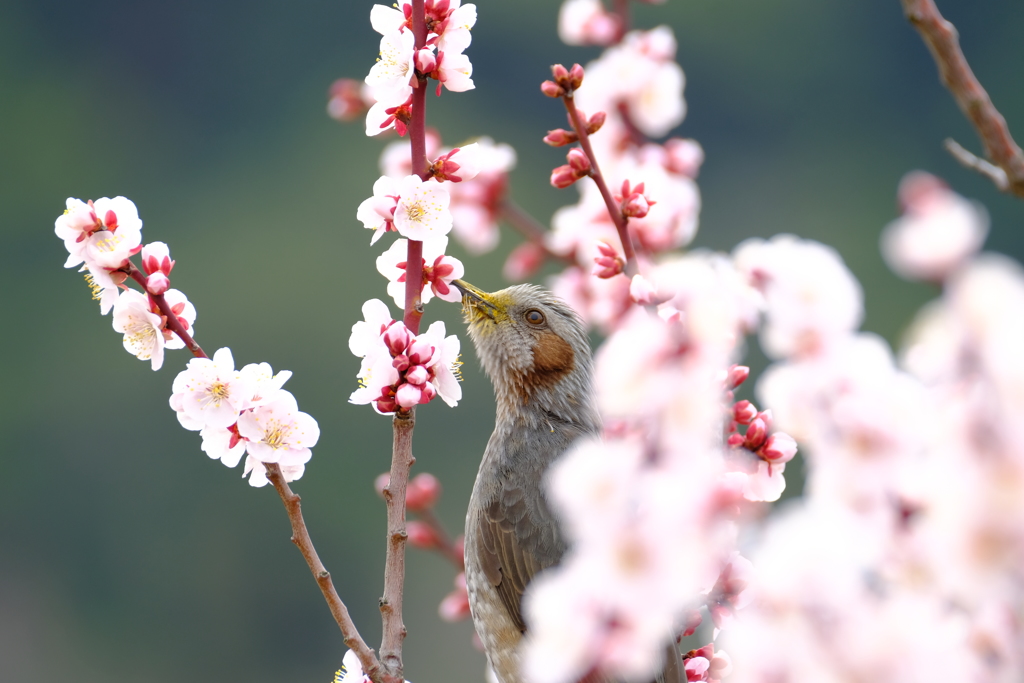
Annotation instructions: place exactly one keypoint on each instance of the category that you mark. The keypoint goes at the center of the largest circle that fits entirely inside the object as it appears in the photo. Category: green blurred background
(125, 554)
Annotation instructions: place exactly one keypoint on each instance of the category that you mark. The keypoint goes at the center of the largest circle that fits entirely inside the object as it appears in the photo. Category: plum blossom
(422, 209)
(393, 71)
(256, 470)
(439, 270)
(278, 432)
(476, 203)
(587, 22)
(212, 392)
(378, 212)
(937, 232)
(144, 328)
(392, 110)
(101, 233)
(639, 74)
(811, 298)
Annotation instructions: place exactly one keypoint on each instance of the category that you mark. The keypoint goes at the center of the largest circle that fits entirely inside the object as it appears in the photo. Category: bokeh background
(125, 554)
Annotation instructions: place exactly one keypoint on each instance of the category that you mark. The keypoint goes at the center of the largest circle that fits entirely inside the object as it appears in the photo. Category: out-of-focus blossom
(937, 232)
(475, 204)
(348, 99)
(523, 261)
(439, 270)
(811, 298)
(586, 22)
(640, 75)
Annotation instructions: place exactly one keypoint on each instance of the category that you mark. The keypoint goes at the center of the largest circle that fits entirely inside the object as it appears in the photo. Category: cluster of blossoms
(244, 412)
(237, 412)
(393, 77)
(401, 369)
(101, 236)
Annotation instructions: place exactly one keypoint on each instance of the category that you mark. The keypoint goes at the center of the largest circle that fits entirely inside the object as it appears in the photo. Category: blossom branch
(300, 537)
(165, 309)
(614, 210)
(943, 42)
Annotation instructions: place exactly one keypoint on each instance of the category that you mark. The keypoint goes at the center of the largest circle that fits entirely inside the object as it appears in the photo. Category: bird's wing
(516, 540)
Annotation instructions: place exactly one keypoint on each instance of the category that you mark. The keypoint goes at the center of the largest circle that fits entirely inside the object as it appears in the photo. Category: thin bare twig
(975, 163)
(300, 537)
(943, 41)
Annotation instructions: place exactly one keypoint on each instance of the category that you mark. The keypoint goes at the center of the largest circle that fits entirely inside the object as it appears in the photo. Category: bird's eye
(534, 317)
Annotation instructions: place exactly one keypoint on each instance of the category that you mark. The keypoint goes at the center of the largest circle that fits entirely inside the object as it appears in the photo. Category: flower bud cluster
(400, 369)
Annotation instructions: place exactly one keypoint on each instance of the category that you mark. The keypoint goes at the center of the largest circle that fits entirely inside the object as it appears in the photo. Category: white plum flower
(278, 432)
(264, 381)
(141, 327)
(102, 233)
(257, 471)
(444, 363)
(439, 270)
(366, 334)
(937, 232)
(212, 391)
(456, 35)
(395, 68)
(221, 443)
(454, 71)
(422, 210)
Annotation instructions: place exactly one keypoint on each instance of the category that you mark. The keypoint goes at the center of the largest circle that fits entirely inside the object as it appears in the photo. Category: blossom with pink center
(811, 298)
(101, 233)
(278, 432)
(396, 159)
(393, 109)
(444, 363)
(455, 35)
(937, 232)
(378, 212)
(457, 165)
(587, 22)
(438, 270)
(212, 391)
(145, 334)
(454, 71)
(422, 210)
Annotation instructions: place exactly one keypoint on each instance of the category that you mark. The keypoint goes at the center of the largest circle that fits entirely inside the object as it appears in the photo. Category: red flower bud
(560, 137)
(422, 535)
(563, 176)
(577, 158)
(422, 493)
(552, 89)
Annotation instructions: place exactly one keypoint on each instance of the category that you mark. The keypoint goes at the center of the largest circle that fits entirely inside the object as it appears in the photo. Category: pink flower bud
(756, 434)
(692, 621)
(401, 362)
(684, 156)
(737, 375)
(635, 206)
(608, 263)
(559, 72)
(560, 137)
(743, 412)
(524, 261)
(417, 374)
(454, 606)
(696, 669)
(427, 393)
(595, 122)
(156, 257)
(552, 89)
(381, 483)
(460, 548)
(578, 160)
(422, 535)
(766, 417)
(397, 338)
(575, 76)
(423, 491)
(563, 176)
(735, 440)
(408, 395)
(420, 352)
(157, 283)
(641, 291)
(425, 61)
(779, 448)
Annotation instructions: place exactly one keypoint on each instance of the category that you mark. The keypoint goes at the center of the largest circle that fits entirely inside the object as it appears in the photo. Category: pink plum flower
(438, 270)
(587, 22)
(144, 328)
(212, 392)
(378, 212)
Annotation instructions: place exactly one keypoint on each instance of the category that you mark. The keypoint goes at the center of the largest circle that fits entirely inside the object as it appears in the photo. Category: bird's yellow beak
(477, 303)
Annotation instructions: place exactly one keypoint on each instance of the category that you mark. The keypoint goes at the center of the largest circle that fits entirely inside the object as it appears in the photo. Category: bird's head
(534, 348)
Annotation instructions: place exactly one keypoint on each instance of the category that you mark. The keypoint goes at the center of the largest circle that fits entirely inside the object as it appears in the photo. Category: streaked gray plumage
(535, 350)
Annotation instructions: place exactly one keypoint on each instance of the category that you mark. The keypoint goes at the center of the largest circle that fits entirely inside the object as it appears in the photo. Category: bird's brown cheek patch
(553, 359)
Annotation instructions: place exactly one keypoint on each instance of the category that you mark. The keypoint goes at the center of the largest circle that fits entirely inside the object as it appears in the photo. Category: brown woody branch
(943, 41)
(300, 537)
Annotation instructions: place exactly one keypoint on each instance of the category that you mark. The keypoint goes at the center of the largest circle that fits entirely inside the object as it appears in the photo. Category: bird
(536, 352)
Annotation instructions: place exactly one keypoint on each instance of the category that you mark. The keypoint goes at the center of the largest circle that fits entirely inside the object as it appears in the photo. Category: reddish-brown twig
(942, 40)
(300, 537)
